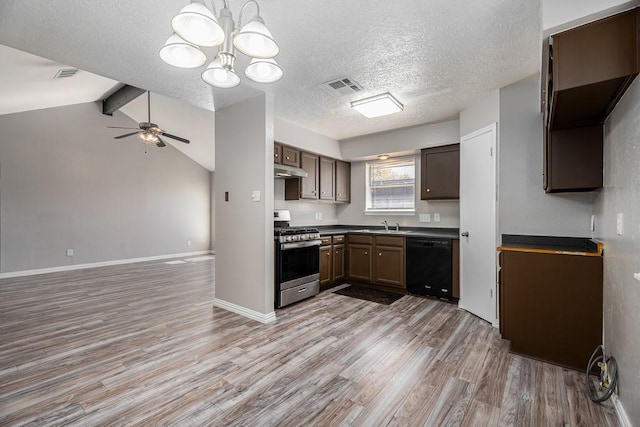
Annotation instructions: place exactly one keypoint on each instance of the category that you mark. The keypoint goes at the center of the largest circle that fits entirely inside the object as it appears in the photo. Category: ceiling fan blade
(177, 138)
(160, 143)
(126, 135)
(120, 127)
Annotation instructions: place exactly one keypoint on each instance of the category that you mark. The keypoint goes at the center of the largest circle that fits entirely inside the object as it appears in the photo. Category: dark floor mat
(374, 295)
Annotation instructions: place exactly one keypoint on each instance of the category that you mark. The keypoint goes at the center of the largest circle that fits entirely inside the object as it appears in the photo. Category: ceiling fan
(149, 132)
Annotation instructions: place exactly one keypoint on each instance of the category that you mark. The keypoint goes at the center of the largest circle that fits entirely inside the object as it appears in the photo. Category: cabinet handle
(328, 253)
(276, 155)
(366, 253)
(380, 254)
(337, 252)
(465, 234)
(428, 189)
(287, 157)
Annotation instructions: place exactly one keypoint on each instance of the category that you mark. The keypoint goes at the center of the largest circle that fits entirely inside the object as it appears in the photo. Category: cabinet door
(338, 262)
(573, 159)
(359, 260)
(290, 156)
(309, 187)
(325, 265)
(277, 153)
(389, 266)
(327, 178)
(440, 173)
(343, 181)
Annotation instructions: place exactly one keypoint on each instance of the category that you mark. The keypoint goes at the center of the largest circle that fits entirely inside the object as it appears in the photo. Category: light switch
(436, 217)
(255, 196)
(425, 218)
(620, 223)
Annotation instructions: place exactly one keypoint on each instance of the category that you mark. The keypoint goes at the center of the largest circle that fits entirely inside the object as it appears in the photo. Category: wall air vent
(340, 87)
(65, 72)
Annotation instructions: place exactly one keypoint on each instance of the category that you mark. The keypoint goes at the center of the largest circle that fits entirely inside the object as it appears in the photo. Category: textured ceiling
(435, 56)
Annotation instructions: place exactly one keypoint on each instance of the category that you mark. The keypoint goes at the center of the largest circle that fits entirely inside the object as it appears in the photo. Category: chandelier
(197, 26)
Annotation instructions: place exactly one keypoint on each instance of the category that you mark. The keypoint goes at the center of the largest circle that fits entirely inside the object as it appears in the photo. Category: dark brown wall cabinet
(307, 187)
(277, 153)
(290, 156)
(586, 70)
(551, 305)
(327, 178)
(440, 173)
(343, 182)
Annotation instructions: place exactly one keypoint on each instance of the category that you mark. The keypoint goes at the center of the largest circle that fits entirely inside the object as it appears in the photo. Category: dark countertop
(441, 233)
(551, 244)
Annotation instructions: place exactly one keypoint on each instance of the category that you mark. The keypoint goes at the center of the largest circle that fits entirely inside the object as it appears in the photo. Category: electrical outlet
(319, 216)
(436, 217)
(188, 242)
(69, 252)
(425, 218)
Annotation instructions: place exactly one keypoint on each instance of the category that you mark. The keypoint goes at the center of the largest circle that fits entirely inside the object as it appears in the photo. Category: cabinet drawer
(360, 239)
(390, 241)
(338, 239)
(326, 240)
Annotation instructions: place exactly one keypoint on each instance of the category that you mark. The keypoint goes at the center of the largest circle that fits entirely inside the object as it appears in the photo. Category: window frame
(368, 210)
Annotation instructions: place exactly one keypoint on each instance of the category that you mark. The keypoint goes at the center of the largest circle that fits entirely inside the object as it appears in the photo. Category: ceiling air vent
(65, 72)
(340, 87)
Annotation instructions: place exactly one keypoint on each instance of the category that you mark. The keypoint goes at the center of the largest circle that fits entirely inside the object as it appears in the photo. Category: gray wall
(621, 194)
(244, 228)
(524, 208)
(213, 211)
(66, 183)
(480, 114)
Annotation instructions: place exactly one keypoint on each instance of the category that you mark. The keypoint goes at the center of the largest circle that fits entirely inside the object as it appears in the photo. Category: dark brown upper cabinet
(440, 173)
(343, 181)
(290, 156)
(277, 153)
(327, 178)
(307, 187)
(586, 70)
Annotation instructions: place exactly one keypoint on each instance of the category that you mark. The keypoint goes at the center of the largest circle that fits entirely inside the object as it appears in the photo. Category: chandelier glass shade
(198, 26)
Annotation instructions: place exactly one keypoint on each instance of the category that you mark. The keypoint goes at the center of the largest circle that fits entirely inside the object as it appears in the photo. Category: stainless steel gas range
(297, 261)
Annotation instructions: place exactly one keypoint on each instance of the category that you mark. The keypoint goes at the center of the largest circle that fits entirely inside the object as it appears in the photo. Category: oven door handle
(304, 244)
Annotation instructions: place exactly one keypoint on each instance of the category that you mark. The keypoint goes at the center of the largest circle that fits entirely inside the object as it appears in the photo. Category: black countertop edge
(554, 243)
(328, 230)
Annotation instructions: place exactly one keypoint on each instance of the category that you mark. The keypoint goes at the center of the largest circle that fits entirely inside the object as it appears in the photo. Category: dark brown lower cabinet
(360, 261)
(338, 262)
(377, 260)
(325, 265)
(551, 305)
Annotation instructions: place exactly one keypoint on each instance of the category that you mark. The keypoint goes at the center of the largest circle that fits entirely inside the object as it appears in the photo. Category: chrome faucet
(397, 227)
(386, 225)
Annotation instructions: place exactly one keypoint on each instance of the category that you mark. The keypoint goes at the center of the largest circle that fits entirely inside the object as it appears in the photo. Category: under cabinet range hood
(284, 171)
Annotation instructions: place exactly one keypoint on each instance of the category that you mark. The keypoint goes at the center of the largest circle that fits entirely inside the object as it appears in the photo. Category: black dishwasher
(429, 266)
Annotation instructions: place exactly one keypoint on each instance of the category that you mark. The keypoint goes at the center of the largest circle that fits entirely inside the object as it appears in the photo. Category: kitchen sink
(382, 231)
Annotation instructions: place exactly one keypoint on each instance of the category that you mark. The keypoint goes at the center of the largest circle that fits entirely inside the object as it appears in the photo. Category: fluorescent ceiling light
(376, 106)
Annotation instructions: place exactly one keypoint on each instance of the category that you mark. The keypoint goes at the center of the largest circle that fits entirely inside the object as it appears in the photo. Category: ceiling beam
(120, 98)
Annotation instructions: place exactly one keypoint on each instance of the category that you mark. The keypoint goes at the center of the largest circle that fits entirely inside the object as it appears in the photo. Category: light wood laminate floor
(141, 344)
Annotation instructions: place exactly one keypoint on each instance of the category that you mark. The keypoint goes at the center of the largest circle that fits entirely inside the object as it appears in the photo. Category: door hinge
(491, 293)
(491, 151)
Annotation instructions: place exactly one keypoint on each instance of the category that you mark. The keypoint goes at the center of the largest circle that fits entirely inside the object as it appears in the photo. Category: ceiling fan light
(180, 53)
(198, 25)
(255, 40)
(219, 76)
(264, 71)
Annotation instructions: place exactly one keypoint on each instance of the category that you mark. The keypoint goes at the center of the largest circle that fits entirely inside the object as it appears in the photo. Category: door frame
(492, 128)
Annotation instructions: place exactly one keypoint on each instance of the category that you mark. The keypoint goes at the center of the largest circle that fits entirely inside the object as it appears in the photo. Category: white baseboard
(622, 414)
(97, 264)
(243, 311)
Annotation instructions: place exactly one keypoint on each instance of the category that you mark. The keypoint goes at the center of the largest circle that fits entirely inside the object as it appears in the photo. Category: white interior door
(478, 237)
